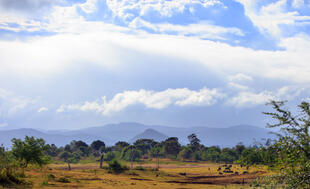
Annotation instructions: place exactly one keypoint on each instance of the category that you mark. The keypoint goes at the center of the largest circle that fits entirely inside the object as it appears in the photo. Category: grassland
(171, 174)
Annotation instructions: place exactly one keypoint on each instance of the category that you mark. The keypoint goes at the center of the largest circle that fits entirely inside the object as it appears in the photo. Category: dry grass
(170, 175)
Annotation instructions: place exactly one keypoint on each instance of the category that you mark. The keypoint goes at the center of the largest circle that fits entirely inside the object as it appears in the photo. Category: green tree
(144, 145)
(194, 142)
(97, 145)
(51, 150)
(251, 156)
(185, 153)
(156, 152)
(293, 144)
(30, 150)
(120, 145)
(131, 153)
(228, 155)
(98, 148)
(211, 154)
(69, 157)
(172, 147)
(239, 149)
(9, 174)
(109, 156)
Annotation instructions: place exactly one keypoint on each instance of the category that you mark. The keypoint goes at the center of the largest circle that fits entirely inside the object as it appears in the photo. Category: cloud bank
(150, 99)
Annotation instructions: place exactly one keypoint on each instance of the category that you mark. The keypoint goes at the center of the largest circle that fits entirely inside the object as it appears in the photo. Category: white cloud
(42, 109)
(128, 10)
(306, 99)
(249, 99)
(268, 18)
(298, 3)
(45, 55)
(201, 29)
(11, 103)
(240, 77)
(89, 6)
(26, 5)
(239, 81)
(151, 99)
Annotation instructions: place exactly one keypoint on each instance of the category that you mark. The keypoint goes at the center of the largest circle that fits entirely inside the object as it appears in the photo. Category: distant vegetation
(289, 153)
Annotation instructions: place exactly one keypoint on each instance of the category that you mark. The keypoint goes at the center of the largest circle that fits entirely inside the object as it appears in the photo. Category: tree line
(35, 151)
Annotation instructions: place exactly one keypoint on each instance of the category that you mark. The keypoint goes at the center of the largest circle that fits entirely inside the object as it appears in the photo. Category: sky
(71, 64)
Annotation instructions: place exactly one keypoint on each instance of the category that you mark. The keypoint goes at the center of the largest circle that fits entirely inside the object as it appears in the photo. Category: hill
(112, 133)
(150, 134)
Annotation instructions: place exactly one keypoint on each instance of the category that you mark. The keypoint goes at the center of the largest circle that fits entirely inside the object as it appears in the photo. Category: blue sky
(68, 64)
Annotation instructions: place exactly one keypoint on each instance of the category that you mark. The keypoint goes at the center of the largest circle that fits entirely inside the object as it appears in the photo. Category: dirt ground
(181, 176)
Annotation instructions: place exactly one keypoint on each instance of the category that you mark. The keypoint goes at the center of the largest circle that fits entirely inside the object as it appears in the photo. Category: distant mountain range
(112, 133)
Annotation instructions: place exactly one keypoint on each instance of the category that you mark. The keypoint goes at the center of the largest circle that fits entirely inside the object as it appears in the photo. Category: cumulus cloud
(249, 98)
(269, 17)
(78, 42)
(150, 99)
(42, 109)
(89, 6)
(128, 10)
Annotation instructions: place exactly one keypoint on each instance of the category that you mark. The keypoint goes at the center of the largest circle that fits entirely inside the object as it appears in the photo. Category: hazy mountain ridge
(150, 134)
(111, 133)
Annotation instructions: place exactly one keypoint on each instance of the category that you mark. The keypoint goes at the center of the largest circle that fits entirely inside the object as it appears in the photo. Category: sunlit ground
(170, 175)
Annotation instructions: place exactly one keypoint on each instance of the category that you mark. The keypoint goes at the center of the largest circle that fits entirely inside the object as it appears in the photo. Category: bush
(9, 175)
(64, 180)
(109, 156)
(115, 166)
(139, 168)
(131, 153)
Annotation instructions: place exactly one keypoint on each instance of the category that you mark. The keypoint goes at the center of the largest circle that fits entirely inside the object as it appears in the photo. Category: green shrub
(115, 166)
(64, 180)
(9, 174)
(109, 156)
(51, 176)
(140, 168)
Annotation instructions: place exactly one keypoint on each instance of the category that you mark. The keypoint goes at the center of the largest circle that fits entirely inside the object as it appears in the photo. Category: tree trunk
(101, 159)
(157, 162)
(69, 167)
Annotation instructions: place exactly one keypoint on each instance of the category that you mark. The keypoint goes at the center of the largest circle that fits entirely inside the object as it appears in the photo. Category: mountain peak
(150, 134)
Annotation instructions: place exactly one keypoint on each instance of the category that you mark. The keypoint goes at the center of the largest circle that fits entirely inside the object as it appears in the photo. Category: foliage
(156, 151)
(211, 154)
(63, 180)
(144, 145)
(120, 145)
(30, 150)
(51, 150)
(293, 144)
(97, 145)
(185, 153)
(228, 155)
(131, 153)
(194, 142)
(116, 166)
(9, 173)
(109, 156)
(172, 147)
